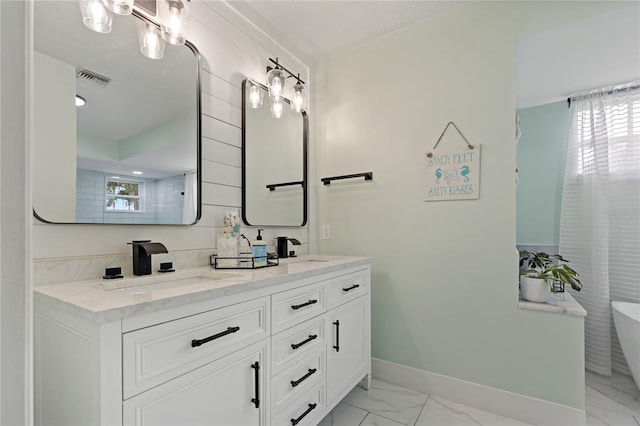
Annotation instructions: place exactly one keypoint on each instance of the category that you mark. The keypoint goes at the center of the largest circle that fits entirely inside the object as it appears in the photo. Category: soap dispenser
(259, 249)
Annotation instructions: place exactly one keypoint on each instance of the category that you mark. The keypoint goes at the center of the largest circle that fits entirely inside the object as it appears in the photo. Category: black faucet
(283, 246)
(142, 251)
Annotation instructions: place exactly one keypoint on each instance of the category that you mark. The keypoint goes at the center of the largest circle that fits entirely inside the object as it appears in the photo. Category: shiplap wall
(232, 49)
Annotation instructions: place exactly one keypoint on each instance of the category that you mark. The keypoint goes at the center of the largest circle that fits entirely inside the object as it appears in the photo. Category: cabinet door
(226, 392)
(346, 351)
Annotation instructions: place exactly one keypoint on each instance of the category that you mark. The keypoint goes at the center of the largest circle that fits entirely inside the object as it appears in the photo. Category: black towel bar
(365, 175)
(273, 186)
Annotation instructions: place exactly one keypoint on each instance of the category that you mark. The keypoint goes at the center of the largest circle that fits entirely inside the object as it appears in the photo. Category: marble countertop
(562, 303)
(108, 300)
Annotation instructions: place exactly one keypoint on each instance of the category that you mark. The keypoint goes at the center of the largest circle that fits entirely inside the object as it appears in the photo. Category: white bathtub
(626, 317)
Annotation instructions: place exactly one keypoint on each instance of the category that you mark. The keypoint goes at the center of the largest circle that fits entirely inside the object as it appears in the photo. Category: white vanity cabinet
(347, 355)
(270, 355)
(224, 392)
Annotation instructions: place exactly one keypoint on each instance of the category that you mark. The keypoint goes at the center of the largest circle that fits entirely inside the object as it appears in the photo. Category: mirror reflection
(274, 154)
(131, 153)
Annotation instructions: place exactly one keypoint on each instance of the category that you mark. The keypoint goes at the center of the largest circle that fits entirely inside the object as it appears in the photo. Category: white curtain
(190, 206)
(600, 216)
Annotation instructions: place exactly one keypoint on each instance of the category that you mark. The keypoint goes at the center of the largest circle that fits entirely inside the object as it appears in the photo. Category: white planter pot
(534, 289)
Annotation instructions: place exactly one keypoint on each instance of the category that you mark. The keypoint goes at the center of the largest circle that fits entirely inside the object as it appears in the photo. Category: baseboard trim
(505, 403)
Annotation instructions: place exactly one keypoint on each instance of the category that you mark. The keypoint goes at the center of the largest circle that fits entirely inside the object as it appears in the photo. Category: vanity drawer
(293, 382)
(156, 354)
(294, 306)
(345, 288)
(304, 411)
(299, 342)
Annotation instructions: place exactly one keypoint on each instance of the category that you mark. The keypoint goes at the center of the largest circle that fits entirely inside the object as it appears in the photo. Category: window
(124, 196)
(613, 126)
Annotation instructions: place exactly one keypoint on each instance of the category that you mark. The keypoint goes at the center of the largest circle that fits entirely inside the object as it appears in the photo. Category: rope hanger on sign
(451, 123)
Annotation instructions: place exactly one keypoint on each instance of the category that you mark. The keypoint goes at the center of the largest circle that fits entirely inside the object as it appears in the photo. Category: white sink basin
(162, 282)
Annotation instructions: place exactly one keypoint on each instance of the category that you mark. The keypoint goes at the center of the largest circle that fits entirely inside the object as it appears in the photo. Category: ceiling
(324, 27)
(564, 47)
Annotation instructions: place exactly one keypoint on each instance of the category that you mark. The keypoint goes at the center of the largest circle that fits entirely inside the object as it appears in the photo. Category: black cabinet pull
(353, 287)
(295, 383)
(196, 342)
(311, 337)
(337, 346)
(294, 422)
(256, 400)
(302, 305)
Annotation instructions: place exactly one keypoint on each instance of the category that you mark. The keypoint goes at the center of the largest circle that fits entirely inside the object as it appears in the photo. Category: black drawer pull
(337, 346)
(256, 400)
(311, 337)
(294, 422)
(196, 342)
(295, 383)
(353, 287)
(302, 305)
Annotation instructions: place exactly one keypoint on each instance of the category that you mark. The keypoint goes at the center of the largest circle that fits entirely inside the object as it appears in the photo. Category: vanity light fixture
(254, 96)
(174, 16)
(276, 78)
(96, 16)
(121, 7)
(80, 101)
(150, 39)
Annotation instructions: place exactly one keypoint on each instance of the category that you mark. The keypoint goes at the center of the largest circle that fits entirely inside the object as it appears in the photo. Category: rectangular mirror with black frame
(274, 161)
(131, 153)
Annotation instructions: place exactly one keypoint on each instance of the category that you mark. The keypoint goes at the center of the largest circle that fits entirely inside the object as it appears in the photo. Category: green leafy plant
(552, 268)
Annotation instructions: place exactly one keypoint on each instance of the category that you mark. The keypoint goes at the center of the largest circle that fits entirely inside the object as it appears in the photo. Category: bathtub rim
(629, 309)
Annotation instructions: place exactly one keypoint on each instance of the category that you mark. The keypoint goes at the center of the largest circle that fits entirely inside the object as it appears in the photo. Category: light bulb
(275, 83)
(96, 16)
(276, 88)
(255, 96)
(276, 108)
(297, 99)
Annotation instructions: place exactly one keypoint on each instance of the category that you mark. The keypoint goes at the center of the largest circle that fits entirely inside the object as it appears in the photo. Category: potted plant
(542, 271)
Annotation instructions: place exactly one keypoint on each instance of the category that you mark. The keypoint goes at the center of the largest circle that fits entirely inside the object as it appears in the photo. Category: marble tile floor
(611, 401)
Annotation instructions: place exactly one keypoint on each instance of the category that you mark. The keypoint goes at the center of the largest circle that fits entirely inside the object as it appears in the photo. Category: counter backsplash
(61, 270)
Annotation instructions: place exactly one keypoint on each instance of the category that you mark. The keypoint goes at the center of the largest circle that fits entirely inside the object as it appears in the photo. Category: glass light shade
(96, 16)
(150, 40)
(121, 7)
(254, 96)
(276, 83)
(298, 98)
(276, 108)
(174, 17)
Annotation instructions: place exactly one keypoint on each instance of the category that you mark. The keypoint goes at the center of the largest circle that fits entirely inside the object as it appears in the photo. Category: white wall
(232, 49)
(444, 279)
(15, 303)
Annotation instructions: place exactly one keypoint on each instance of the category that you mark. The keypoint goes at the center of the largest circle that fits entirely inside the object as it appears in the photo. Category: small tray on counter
(241, 262)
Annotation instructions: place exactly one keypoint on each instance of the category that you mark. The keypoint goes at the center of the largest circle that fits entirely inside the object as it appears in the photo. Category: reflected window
(124, 196)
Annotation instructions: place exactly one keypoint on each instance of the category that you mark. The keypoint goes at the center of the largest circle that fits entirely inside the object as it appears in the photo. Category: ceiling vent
(93, 77)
